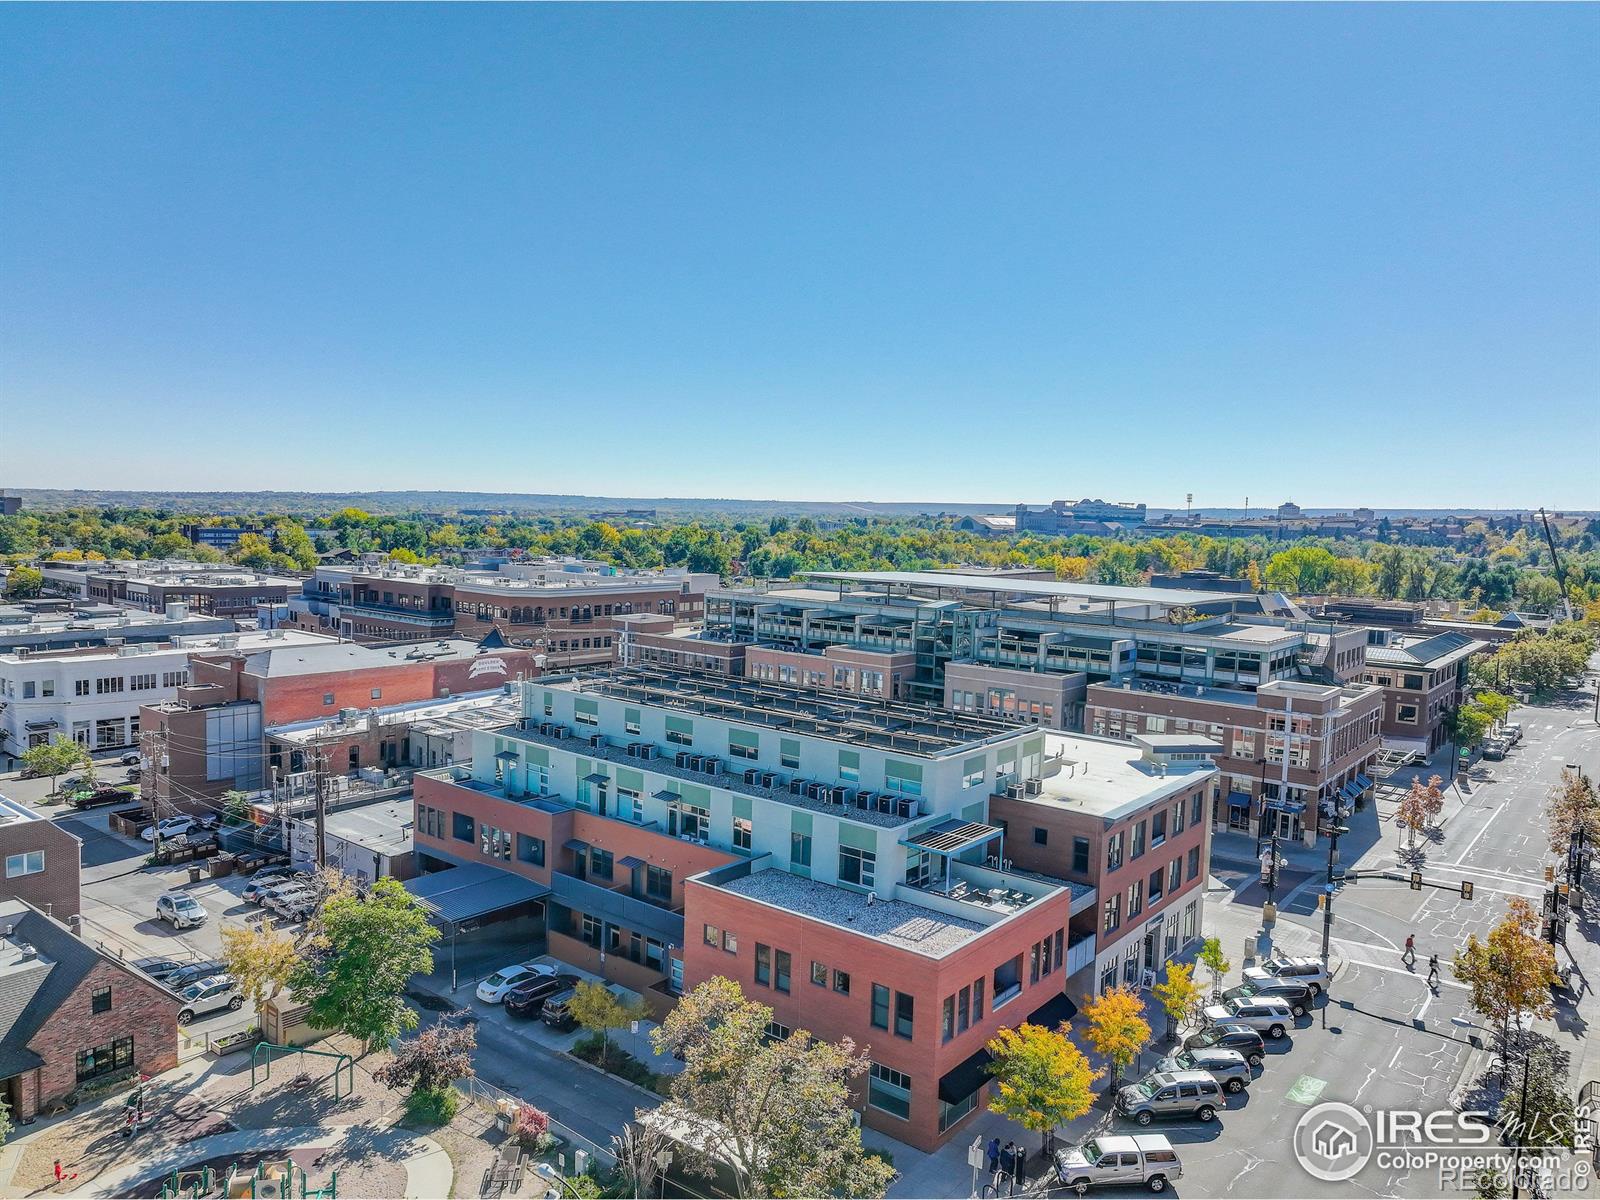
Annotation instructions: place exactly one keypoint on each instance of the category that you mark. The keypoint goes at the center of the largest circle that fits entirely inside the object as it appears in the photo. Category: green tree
(24, 583)
(1469, 725)
(56, 758)
(1179, 995)
(171, 545)
(1215, 961)
(1043, 1079)
(600, 1010)
(365, 950)
(777, 1111)
(261, 960)
(255, 552)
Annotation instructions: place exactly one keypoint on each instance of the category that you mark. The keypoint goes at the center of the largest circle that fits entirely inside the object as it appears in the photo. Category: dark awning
(967, 1076)
(574, 844)
(1363, 782)
(1351, 792)
(630, 862)
(1238, 799)
(596, 777)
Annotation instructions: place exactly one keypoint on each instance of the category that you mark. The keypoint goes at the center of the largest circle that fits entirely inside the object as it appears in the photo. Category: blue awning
(1286, 806)
(1238, 799)
(1350, 792)
(1363, 782)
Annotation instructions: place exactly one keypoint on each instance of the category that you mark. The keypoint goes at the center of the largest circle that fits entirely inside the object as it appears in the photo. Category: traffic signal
(1416, 881)
(1466, 889)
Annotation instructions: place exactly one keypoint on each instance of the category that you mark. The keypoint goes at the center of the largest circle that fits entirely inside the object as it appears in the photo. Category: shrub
(585, 1186)
(433, 1106)
(591, 1048)
(530, 1125)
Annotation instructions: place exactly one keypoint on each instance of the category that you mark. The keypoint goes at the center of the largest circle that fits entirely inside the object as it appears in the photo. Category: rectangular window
(1135, 898)
(101, 1000)
(730, 941)
(743, 833)
(889, 1091)
(1041, 836)
(80, 687)
(977, 999)
(1194, 862)
(601, 864)
(1007, 982)
(1177, 818)
(1196, 808)
(1080, 855)
(1113, 912)
(593, 931)
(1114, 851)
(658, 884)
(1158, 828)
(711, 935)
(800, 849)
(743, 745)
(857, 866)
(462, 827)
(880, 1006)
(680, 731)
(763, 965)
(789, 754)
(819, 973)
(963, 1009)
(1174, 875)
(849, 766)
(630, 720)
(1138, 841)
(903, 1013)
(327, 699)
(781, 964)
(102, 1060)
(1155, 885)
(841, 982)
(30, 863)
(972, 773)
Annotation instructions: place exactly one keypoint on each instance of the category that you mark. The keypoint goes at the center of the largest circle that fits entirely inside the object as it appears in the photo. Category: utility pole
(158, 741)
(321, 761)
(1333, 832)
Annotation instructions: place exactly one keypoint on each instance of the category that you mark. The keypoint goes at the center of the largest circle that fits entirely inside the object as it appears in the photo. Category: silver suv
(1171, 1094)
(1227, 1067)
(220, 991)
(1308, 971)
(1271, 1017)
(1114, 1161)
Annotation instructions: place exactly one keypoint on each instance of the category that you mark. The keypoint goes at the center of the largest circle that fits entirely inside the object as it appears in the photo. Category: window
(819, 973)
(327, 699)
(1158, 829)
(1155, 885)
(102, 1060)
(1189, 922)
(949, 1114)
(80, 687)
(889, 1091)
(377, 693)
(1007, 982)
(1113, 912)
(1174, 875)
(1080, 855)
(857, 866)
(1041, 836)
(1406, 713)
(101, 1001)
(1412, 683)
(1177, 818)
(972, 773)
(108, 685)
(841, 982)
(800, 849)
(593, 931)
(658, 884)
(1138, 841)
(781, 964)
(711, 935)
(789, 754)
(730, 941)
(904, 1006)
(963, 1009)
(777, 1032)
(1114, 851)
(495, 843)
(1135, 898)
(630, 720)
(763, 965)
(601, 864)
(680, 731)
(977, 999)
(743, 833)
(30, 863)
(1194, 862)
(947, 1019)
(880, 1006)
(462, 827)
(1196, 808)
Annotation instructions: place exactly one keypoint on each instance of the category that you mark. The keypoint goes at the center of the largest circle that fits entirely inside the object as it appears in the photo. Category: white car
(220, 991)
(1309, 971)
(180, 909)
(170, 828)
(1270, 1016)
(493, 989)
(130, 759)
(285, 894)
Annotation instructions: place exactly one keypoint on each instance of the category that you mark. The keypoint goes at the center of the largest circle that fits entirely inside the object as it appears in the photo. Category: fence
(490, 1099)
(193, 1043)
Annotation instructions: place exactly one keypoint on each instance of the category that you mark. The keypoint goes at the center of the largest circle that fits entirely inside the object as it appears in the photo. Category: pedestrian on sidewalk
(994, 1155)
(1433, 971)
(1008, 1166)
(63, 1175)
(1409, 955)
(1019, 1170)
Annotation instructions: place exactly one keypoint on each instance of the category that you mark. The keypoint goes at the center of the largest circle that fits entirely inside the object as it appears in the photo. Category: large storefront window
(102, 1060)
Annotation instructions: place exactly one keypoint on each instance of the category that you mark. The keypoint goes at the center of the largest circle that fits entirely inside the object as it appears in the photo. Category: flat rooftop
(1109, 778)
(489, 709)
(385, 827)
(329, 654)
(1104, 593)
(880, 724)
(897, 923)
(246, 642)
(1440, 650)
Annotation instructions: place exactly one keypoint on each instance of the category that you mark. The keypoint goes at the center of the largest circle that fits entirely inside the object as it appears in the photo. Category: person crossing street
(1409, 955)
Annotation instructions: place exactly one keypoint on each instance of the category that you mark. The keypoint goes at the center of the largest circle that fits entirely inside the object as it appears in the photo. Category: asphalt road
(1384, 1038)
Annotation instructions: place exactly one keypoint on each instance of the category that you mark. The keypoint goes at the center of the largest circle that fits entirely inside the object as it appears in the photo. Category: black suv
(1230, 1037)
(526, 999)
(1298, 996)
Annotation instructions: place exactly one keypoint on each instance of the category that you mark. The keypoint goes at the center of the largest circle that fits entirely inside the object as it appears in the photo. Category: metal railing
(496, 1100)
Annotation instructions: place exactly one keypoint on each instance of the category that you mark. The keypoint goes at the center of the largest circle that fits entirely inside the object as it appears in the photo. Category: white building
(92, 694)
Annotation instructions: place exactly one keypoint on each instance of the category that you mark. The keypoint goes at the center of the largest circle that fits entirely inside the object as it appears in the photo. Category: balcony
(423, 618)
(1080, 953)
(618, 907)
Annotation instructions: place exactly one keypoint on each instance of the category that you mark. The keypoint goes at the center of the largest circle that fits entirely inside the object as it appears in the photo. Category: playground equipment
(190, 1185)
(344, 1067)
(280, 1179)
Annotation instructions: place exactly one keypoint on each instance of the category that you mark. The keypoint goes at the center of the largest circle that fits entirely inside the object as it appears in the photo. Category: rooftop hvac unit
(597, 740)
(797, 786)
(682, 758)
(647, 750)
(1034, 787)
(524, 724)
(752, 775)
(768, 779)
(839, 792)
(1014, 791)
(903, 806)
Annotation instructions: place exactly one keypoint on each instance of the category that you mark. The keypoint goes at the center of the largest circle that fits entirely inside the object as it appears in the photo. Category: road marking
(1305, 1090)
(1422, 979)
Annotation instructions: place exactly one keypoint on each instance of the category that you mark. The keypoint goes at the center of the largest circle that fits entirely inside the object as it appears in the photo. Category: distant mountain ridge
(449, 502)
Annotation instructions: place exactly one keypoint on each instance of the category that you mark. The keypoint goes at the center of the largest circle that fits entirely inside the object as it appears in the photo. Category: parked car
(1227, 1067)
(298, 906)
(285, 893)
(98, 796)
(1306, 970)
(493, 989)
(180, 909)
(1171, 1094)
(557, 1011)
(528, 997)
(169, 828)
(219, 991)
(264, 881)
(130, 759)
(1494, 749)
(194, 973)
(135, 774)
(1230, 1036)
(1512, 732)
(1272, 1017)
(73, 783)
(1113, 1161)
(159, 969)
(1296, 995)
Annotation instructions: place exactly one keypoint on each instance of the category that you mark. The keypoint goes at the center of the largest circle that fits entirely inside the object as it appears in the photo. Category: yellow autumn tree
(1179, 995)
(1043, 1080)
(1117, 1028)
(259, 959)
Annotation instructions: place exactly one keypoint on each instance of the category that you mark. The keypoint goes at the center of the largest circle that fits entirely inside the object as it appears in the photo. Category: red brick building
(40, 862)
(70, 1015)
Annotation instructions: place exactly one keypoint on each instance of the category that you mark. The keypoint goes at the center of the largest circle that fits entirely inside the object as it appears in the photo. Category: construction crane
(1555, 561)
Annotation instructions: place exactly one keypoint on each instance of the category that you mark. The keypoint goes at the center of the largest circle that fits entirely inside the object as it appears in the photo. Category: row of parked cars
(1193, 1082)
(202, 987)
(1497, 745)
(532, 989)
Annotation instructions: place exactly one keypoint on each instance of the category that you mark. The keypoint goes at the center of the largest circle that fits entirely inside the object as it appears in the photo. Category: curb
(589, 1066)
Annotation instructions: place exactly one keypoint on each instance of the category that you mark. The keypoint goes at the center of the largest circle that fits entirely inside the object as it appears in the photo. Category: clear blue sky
(1334, 254)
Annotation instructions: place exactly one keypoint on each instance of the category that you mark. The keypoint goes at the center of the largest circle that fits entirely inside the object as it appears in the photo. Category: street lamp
(663, 1163)
(1333, 831)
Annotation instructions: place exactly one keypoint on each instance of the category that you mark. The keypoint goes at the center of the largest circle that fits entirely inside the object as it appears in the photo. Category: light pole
(1333, 832)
